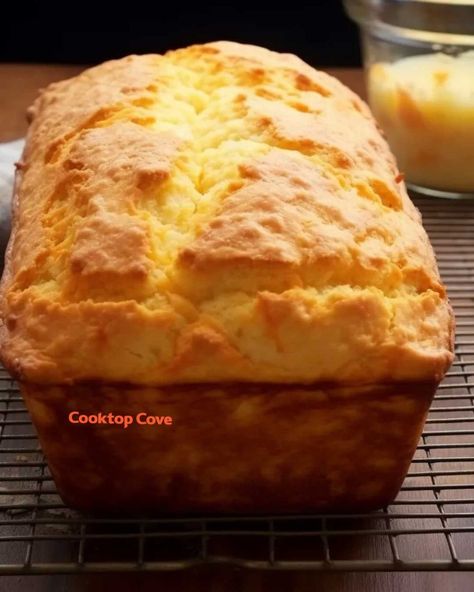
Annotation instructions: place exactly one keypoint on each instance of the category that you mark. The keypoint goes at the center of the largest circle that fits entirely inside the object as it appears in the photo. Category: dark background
(84, 32)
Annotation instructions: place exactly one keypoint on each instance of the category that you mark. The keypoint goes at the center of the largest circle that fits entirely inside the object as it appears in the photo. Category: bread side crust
(231, 448)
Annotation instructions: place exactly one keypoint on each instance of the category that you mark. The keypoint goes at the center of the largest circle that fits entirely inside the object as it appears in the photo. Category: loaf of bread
(220, 234)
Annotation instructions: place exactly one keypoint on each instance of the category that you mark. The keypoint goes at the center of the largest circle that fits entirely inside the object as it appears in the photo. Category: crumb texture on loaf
(218, 213)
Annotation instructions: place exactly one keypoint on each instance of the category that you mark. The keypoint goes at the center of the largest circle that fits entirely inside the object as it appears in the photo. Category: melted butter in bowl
(425, 105)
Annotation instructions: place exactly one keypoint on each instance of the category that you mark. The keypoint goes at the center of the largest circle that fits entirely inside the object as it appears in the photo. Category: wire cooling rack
(430, 526)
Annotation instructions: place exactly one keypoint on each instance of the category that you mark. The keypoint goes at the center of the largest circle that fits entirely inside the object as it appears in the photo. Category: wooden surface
(19, 85)
(234, 580)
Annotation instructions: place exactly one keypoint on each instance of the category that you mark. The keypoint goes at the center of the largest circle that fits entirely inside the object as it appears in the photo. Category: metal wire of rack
(430, 526)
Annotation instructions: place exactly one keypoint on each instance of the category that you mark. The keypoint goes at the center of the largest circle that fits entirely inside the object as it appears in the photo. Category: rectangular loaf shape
(220, 234)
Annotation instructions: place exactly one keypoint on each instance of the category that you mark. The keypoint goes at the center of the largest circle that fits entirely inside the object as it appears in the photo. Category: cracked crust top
(219, 213)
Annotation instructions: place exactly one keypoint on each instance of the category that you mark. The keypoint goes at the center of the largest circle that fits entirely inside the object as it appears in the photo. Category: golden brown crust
(198, 216)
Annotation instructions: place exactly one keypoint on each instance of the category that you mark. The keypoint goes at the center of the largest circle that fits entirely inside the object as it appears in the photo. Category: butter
(425, 105)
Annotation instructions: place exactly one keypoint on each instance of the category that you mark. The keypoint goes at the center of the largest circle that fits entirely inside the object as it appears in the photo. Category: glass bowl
(419, 62)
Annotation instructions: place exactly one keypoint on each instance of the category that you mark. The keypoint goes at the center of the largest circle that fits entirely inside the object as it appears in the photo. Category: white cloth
(9, 154)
